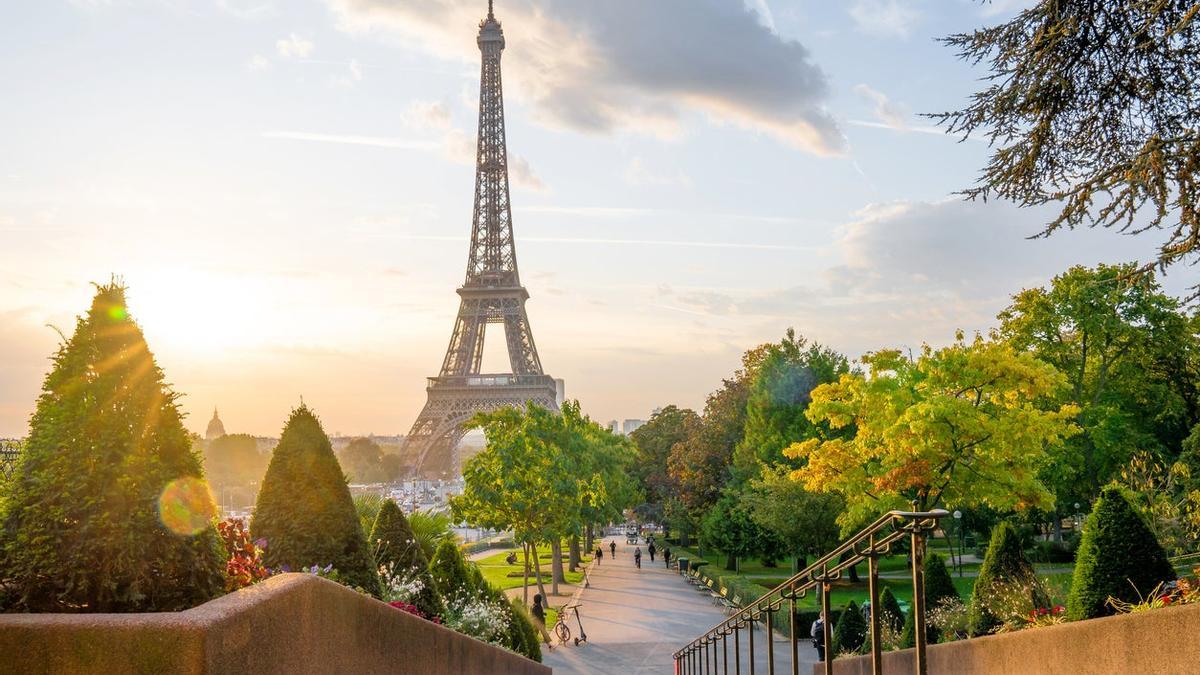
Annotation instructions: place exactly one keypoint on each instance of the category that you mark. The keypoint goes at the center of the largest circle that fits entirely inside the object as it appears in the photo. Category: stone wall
(289, 624)
(1159, 642)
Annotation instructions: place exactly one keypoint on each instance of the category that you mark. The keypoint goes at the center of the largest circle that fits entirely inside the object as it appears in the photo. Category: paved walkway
(636, 619)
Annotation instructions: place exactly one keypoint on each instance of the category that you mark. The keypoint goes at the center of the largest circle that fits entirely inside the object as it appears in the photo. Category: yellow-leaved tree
(965, 425)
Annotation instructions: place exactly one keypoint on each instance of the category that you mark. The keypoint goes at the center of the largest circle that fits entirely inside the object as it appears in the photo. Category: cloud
(459, 146)
(258, 63)
(884, 17)
(355, 70)
(294, 47)
(601, 67)
(894, 115)
(427, 115)
(373, 141)
(247, 9)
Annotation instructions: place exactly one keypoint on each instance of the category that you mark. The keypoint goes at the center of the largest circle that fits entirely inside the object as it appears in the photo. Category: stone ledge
(1158, 642)
(291, 623)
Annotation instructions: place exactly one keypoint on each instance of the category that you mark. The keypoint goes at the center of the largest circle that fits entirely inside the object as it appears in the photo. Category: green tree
(890, 613)
(108, 510)
(449, 570)
(398, 551)
(939, 588)
(779, 393)
(305, 511)
(654, 441)
(1007, 587)
(1126, 351)
(1085, 108)
(234, 459)
(1118, 558)
(523, 636)
(963, 425)
(430, 529)
(805, 523)
(362, 460)
(729, 529)
(850, 631)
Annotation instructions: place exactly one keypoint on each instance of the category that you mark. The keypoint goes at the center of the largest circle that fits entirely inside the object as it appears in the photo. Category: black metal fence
(720, 649)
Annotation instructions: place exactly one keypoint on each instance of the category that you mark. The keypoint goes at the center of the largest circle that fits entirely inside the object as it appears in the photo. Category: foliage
(890, 612)
(449, 570)
(1161, 497)
(654, 441)
(1091, 106)
(430, 530)
(367, 507)
(480, 617)
(1130, 360)
(950, 616)
(525, 638)
(414, 610)
(1181, 592)
(962, 425)
(399, 553)
(108, 510)
(305, 511)
(729, 529)
(804, 522)
(364, 462)
(245, 557)
(234, 459)
(1007, 587)
(939, 591)
(779, 393)
(1118, 558)
(850, 631)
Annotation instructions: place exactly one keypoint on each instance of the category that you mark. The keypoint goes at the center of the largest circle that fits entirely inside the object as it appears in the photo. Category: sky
(285, 188)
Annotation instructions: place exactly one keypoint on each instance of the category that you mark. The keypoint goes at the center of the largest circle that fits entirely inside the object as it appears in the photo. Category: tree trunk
(731, 563)
(589, 542)
(799, 563)
(556, 564)
(1057, 526)
(683, 538)
(573, 553)
(525, 548)
(854, 574)
(537, 569)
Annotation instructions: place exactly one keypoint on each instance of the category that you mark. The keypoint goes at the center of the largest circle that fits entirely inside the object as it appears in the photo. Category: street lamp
(958, 524)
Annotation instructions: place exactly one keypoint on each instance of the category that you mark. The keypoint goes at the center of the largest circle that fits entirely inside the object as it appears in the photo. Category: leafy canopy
(960, 425)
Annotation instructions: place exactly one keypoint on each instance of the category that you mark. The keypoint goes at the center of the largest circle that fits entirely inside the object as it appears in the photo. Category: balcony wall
(289, 624)
(1159, 642)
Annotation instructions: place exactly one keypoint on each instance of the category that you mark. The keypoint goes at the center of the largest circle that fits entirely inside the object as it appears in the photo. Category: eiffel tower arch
(491, 294)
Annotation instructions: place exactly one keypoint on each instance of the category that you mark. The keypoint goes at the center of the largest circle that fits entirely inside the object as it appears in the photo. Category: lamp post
(958, 524)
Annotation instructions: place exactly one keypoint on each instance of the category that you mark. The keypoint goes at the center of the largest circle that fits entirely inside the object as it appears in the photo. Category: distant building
(614, 426)
(215, 428)
(560, 391)
(628, 426)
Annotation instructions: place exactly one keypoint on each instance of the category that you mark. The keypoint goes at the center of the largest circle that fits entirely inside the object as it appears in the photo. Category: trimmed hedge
(1005, 577)
(449, 570)
(108, 510)
(396, 547)
(1118, 557)
(305, 511)
(850, 631)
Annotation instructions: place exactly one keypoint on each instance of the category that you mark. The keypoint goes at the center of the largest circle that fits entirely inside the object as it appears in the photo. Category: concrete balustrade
(291, 624)
(1157, 642)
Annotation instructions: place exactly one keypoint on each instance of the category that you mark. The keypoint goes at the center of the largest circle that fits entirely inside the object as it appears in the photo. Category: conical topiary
(939, 587)
(850, 631)
(1007, 585)
(449, 570)
(398, 551)
(304, 509)
(1118, 557)
(525, 636)
(891, 614)
(108, 510)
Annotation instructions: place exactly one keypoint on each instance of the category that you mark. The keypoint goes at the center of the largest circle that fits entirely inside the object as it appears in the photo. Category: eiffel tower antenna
(491, 294)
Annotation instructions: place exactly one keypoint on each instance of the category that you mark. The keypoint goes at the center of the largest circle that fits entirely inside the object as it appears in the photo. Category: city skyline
(291, 209)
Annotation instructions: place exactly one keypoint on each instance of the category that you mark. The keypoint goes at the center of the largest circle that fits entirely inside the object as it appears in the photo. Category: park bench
(723, 599)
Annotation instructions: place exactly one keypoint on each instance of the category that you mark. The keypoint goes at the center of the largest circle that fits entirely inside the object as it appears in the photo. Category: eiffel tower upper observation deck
(491, 294)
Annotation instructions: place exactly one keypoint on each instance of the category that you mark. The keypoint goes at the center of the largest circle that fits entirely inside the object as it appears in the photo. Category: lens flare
(186, 506)
(117, 313)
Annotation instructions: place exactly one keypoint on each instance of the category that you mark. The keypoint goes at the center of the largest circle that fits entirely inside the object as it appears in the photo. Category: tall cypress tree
(305, 511)
(396, 547)
(108, 511)
(1118, 557)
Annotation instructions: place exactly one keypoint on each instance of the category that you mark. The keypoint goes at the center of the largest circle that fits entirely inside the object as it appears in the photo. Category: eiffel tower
(491, 294)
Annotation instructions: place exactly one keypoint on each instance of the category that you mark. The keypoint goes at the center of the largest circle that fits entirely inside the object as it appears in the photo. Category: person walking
(667, 557)
(818, 636)
(599, 554)
(612, 547)
(651, 549)
(637, 557)
(539, 618)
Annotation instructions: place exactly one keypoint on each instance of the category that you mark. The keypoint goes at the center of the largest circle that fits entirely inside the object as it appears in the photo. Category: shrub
(108, 510)
(305, 511)
(890, 612)
(245, 565)
(1007, 588)
(939, 588)
(1118, 558)
(449, 570)
(398, 552)
(526, 638)
(850, 631)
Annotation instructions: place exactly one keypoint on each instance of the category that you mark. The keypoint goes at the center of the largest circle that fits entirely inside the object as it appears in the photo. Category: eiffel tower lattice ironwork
(491, 294)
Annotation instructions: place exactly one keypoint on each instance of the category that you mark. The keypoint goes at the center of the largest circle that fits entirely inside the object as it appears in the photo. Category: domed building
(215, 428)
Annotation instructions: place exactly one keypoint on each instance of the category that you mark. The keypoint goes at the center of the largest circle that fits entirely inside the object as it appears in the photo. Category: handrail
(868, 545)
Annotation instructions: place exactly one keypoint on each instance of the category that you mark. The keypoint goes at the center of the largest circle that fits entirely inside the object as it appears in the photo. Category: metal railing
(875, 541)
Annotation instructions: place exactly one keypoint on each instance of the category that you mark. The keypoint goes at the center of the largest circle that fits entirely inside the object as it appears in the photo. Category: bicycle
(562, 631)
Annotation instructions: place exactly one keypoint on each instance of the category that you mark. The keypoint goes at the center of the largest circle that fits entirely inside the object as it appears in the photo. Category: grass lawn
(497, 572)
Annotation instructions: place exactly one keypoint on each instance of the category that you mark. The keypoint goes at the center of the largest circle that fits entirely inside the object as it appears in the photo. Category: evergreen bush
(1007, 586)
(304, 510)
(449, 570)
(1118, 557)
(108, 510)
(850, 631)
(525, 638)
(939, 586)
(398, 551)
(890, 612)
